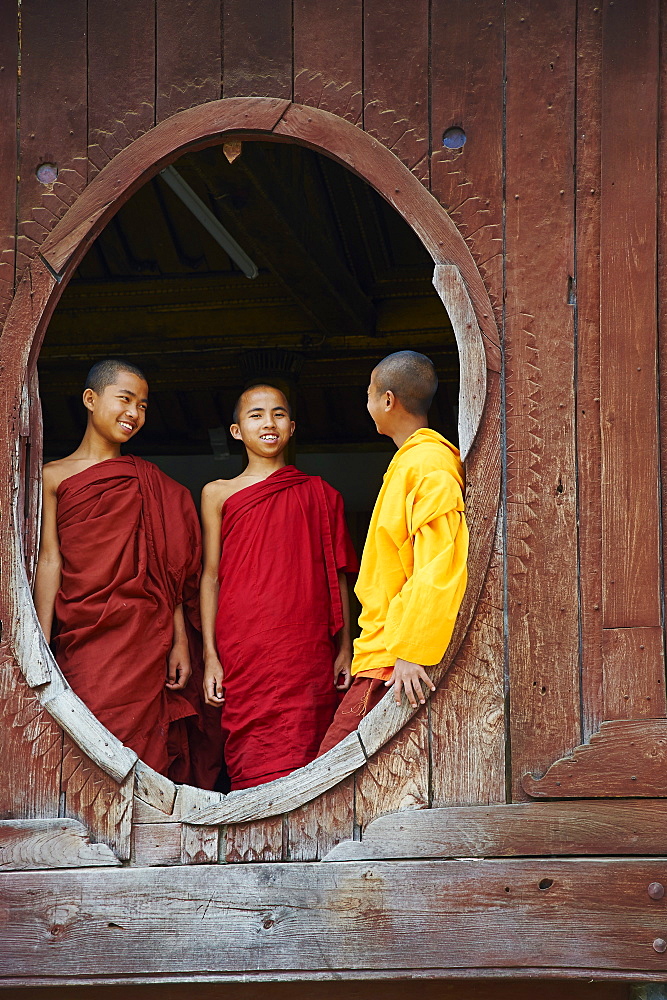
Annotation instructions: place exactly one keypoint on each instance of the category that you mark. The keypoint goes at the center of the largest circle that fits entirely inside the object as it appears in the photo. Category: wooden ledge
(50, 843)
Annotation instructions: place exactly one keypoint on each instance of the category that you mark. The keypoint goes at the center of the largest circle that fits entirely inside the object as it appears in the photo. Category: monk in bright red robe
(117, 591)
(275, 615)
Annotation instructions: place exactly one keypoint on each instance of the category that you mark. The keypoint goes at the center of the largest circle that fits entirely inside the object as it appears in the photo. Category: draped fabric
(131, 553)
(284, 540)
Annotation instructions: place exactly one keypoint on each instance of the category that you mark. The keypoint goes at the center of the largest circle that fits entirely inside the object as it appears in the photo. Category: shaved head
(412, 379)
(106, 373)
(251, 388)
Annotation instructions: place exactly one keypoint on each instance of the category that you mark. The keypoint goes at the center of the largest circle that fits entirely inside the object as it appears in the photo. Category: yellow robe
(413, 570)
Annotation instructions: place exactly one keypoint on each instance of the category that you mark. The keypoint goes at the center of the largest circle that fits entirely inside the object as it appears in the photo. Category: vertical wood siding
(555, 192)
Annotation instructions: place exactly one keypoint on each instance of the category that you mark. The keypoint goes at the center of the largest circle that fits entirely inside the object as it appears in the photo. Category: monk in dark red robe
(117, 587)
(275, 614)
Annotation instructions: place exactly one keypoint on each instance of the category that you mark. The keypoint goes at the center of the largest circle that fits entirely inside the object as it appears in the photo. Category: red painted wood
(328, 56)
(121, 76)
(8, 86)
(396, 79)
(53, 116)
(587, 293)
(539, 334)
(631, 571)
(467, 42)
(634, 672)
(188, 58)
(257, 48)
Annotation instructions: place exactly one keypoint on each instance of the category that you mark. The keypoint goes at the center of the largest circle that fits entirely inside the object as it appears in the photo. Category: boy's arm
(211, 514)
(421, 618)
(343, 661)
(48, 574)
(178, 661)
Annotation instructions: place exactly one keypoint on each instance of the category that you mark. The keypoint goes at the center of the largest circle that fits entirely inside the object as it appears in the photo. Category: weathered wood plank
(450, 287)
(188, 54)
(49, 843)
(467, 71)
(328, 56)
(397, 776)
(479, 915)
(396, 79)
(662, 283)
(586, 292)
(53, 128)
(199, 844)
(542, 601)
(257, 43)
(9, 55)
(314, 829)
(634, 672)
(628, 390)
(259, 841)
(523, 829)
(283, 794)
(153, 789)
(121, 77)
(467, 714)
(103, 805)
(626, 758)
(31, 748)
(156, 844)
(132, 167)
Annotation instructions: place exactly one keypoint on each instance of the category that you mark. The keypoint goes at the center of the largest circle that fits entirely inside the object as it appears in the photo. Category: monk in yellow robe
(413, 570)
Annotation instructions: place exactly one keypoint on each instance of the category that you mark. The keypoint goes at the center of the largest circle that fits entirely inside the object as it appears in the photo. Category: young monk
(274, 599)
(118, 563)
(413, 568)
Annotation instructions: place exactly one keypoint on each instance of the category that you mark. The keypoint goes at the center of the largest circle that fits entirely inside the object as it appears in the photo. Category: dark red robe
(131, 552)
(284, 540)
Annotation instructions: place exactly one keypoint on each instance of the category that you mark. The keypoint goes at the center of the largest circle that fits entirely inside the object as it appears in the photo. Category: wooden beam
(528, 829)
(264, 217)
(360, 920)
(49, 843)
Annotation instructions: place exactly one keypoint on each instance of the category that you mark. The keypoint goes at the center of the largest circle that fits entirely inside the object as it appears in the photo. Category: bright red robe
(131, 551)
(284, 540)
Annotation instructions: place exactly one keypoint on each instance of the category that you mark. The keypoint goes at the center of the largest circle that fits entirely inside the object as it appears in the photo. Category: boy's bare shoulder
(53, 473)
(219, 490)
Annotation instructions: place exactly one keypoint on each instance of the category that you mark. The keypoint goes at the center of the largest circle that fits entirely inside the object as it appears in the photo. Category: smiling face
(263, 421)
(119, 411)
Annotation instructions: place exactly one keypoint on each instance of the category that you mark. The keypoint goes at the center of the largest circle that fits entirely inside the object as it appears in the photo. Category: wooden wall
(557, 194)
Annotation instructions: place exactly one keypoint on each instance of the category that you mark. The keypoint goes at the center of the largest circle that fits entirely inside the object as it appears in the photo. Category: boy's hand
(409, 676)
(178, 666)
(342, 664)
(214, 679)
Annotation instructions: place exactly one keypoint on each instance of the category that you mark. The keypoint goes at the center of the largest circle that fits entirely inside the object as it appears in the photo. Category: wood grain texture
(631, 571)
(396, 79)
(53, 116)
(467, 711)
(541, 468)
(156, 844)
(662, 283)
(103, 805)
(188, 54)
(328, 64)
(314, 829)
(49, 843)
(626, 758)
(528, 829)
(121, 77)
(467, 71)
(9, 55)
(199, 844)
(397, 776)
(634, 673)
(450, 287)
(153, 789)
(31, 748)
(250, 842)
(300, 919)
(587, 294)
(257, 40)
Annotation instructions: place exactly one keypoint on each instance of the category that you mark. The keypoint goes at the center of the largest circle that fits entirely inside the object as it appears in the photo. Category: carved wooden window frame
(459, 285)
